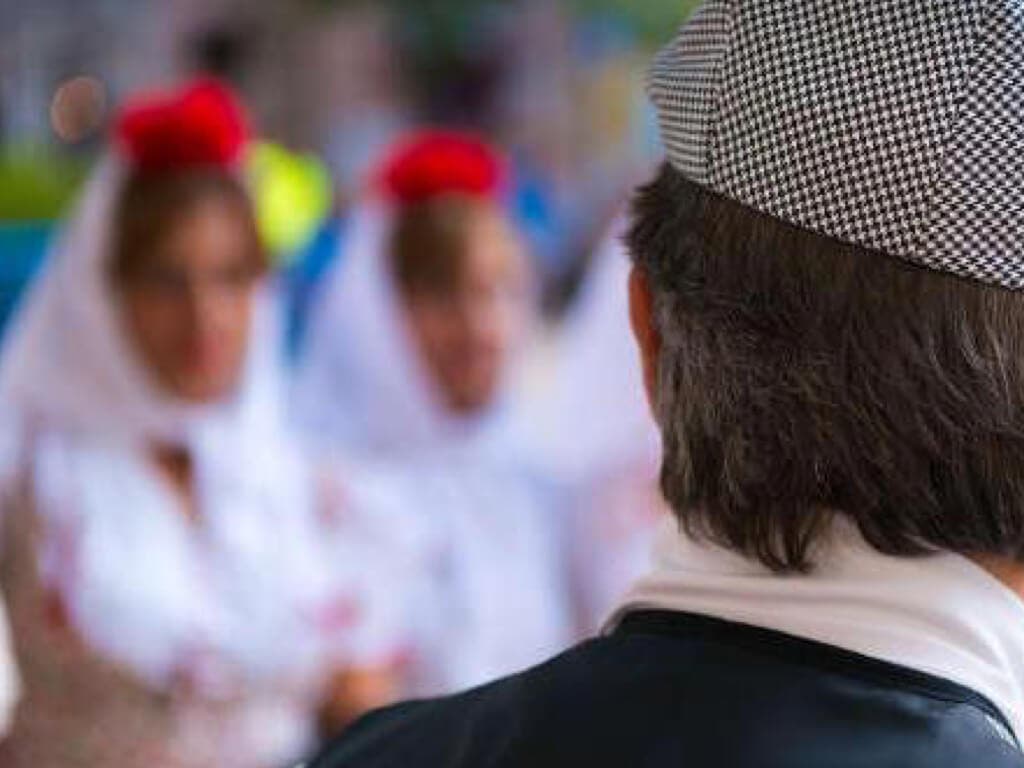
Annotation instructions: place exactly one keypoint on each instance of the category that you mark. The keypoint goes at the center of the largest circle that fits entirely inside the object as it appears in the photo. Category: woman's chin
(199, 389)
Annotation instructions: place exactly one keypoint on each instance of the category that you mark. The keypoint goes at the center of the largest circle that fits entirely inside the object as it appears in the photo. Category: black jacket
(686, 691)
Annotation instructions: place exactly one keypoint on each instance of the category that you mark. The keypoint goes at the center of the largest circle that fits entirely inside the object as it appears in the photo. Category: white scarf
(942, 614)
(598, 372)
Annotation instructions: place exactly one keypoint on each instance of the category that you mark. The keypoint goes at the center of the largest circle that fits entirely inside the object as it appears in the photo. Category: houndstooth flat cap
(897, 125)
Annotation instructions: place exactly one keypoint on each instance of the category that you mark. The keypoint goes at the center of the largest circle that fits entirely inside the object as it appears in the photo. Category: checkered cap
(897, 125)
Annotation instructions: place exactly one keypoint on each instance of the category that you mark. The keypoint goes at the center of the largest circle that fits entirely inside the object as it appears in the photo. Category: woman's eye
(162, 280)
(236, 277)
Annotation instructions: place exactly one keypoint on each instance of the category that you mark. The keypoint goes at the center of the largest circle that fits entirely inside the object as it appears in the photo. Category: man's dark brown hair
(801, 377)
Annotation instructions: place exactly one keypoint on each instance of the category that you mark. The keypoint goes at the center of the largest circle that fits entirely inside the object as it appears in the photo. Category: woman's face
(466, 330)
(187, 304)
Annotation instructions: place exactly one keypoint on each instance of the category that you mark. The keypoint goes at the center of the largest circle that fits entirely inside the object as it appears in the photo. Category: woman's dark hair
(149, 206)
(430, 241)
(801, 378)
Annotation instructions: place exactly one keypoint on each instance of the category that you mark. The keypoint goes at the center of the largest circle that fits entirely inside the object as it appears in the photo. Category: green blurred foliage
(37, 184)
(655, 21)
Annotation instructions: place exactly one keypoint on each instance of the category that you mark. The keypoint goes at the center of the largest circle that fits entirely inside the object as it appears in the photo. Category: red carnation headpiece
(435, 163)
(202, 124)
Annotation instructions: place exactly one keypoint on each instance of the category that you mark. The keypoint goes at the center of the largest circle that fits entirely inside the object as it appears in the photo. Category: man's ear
(641, 318)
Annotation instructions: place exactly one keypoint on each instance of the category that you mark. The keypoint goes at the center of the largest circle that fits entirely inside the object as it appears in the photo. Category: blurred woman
(410, 358)
(170, 601)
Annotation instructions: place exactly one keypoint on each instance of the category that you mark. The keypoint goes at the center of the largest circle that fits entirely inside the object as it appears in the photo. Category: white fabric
(243, 597)
(598, 374)
(490, 598)
(10, 680)
(613, 522)
(486, 597)
(594, 428)
(166, 596)
(942, 614)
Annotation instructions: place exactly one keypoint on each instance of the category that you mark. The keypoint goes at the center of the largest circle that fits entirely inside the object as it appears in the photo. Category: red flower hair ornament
(202, 124)
(437, 163)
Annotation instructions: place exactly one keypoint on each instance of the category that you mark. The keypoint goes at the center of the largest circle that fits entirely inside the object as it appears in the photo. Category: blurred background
(558, 83)
(499, 488)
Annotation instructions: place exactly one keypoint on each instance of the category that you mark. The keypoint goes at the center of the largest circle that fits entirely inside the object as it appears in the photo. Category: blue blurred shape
(22, 247)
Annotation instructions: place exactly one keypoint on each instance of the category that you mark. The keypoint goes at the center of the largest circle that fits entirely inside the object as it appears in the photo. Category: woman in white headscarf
(410, 356)
(170, 599)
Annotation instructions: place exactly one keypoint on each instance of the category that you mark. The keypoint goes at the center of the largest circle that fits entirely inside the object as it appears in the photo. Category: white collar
(941, 614)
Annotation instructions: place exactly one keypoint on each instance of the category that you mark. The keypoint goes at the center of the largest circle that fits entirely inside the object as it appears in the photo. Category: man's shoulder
(741, 697)
(500, 718)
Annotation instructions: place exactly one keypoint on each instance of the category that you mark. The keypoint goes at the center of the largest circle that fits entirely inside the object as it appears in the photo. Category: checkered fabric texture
(897, 124)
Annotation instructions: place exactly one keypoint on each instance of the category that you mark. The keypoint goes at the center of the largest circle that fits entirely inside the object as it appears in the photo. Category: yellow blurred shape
(292, 194)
